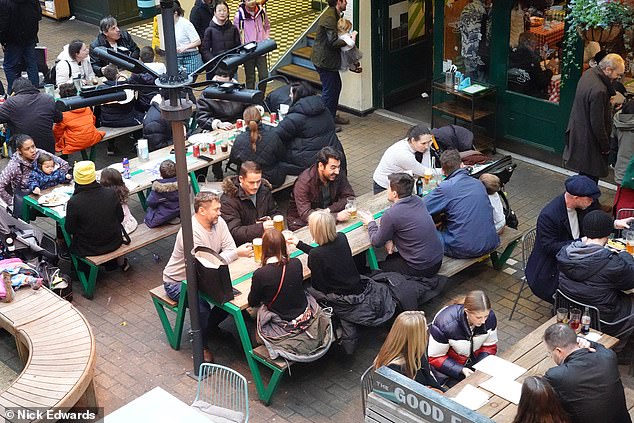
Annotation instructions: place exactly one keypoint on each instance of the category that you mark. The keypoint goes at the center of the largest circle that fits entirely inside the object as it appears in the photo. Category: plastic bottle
(585, 321)
(126, 168)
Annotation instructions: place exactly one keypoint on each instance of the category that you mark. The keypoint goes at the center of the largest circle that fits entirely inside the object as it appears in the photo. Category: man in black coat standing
(586, 380)
(19, 25)
(587, 136)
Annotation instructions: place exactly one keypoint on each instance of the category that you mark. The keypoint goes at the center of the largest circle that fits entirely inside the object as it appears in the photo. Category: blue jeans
(331, 88)
(14, 55)
(209, 317)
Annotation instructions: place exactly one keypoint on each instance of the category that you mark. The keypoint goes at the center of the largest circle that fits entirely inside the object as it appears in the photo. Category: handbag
(213, 276)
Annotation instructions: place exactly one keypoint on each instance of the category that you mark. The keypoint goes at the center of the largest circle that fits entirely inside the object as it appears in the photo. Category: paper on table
(506, 388)
(472, 397)
(130, 184)
(592, 336)
(498, 367)
(471, 89)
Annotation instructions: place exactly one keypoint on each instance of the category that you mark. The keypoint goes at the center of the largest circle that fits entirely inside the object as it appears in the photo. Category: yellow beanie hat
(84, 172)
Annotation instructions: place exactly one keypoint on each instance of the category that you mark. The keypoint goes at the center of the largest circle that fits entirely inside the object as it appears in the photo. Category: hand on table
(245, 250)
(584, 343)
(69, 176)
(225, 125)
(467, 372)
(343, 216)
(268, 224)
(623, 223)
(292, 240)
(365, 217)
(36, 191)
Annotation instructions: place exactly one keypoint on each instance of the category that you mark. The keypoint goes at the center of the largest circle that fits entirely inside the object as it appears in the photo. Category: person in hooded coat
(624, 169)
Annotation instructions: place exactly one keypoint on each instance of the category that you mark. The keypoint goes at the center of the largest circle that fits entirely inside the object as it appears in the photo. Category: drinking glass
(351, 207)
(629, 241)
(562, 315)
(278, 222)
(575, 319)
(49, 89)
(257, 251)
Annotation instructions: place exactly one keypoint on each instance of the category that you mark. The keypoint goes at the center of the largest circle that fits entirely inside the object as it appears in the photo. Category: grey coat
(588, 132)
(624, 133)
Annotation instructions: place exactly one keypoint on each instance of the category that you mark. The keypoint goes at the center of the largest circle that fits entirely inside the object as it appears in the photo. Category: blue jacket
(470, 229)
(553, 233)
(41, 180)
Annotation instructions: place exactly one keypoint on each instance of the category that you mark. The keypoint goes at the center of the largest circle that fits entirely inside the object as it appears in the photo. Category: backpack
(51, 76)
(57, 282)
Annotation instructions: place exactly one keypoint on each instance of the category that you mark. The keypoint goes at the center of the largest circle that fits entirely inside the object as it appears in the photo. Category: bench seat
(111, 133)
(261, 353)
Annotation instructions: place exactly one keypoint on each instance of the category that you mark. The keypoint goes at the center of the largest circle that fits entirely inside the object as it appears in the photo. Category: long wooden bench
(111, 133)
(141, 237)
(58, 348)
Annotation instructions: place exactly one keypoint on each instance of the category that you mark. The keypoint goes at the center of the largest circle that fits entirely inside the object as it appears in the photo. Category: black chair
(528, 242)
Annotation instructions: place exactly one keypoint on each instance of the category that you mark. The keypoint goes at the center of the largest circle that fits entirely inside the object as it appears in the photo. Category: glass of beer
(351, 207)
(428, 175)
(629, 241)
(278, 222)
(575, 319)
(257, 250)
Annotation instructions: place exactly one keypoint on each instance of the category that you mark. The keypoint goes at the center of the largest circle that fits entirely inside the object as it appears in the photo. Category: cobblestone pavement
(133, 353)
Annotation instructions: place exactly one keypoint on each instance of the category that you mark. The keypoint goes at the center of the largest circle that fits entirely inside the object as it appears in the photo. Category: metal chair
(367, 381)
(223, 387)
(622, 214)
(528, 242)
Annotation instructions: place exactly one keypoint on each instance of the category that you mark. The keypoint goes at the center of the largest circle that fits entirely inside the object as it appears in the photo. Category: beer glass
(575, 319)
(278, 222)
(562, 315)
(351, 207)
(428, 175)
(629, 241)
(257, 250)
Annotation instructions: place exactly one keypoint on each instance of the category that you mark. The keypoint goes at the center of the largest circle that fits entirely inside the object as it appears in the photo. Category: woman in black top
(283, 295)
(331, 264)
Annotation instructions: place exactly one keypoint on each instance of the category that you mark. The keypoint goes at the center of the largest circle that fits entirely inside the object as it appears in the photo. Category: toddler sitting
(350, 54)
(45, 175)
(162, 203)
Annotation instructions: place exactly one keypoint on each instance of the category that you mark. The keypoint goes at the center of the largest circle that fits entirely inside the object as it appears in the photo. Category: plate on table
(617, 244)
(202, 137)
(53, 199)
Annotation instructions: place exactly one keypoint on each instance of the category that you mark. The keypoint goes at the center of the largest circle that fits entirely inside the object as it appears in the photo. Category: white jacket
(83, 69)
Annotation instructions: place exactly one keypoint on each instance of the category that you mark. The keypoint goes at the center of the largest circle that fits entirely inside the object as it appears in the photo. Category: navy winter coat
(156, 129)
(162, 203)
(306, 129)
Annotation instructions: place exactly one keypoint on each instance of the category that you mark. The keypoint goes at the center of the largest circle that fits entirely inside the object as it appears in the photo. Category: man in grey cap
(558, 225)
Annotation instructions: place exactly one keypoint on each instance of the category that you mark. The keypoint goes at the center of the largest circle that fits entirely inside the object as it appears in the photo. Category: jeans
(249, 71)
(331, 88)
(210, 318)
(14, 55)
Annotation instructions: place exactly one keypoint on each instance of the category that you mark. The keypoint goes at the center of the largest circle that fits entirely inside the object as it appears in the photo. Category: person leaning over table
(407, 226)
(586, 378)
(470, 231)
(409, 154)
(335, 280)
(321, 186)
(539, 403)
(461, 335)
(405, 349)
(14, 179)
(210, 230)
(90, 207)
(247, 204)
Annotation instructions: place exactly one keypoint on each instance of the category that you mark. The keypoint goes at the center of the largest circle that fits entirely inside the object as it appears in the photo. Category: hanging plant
(595, 20)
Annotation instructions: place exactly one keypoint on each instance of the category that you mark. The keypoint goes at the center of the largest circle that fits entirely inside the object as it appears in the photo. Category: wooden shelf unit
(62, 10)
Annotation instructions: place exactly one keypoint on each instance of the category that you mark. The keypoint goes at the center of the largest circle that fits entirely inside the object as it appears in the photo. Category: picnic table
(529, 353)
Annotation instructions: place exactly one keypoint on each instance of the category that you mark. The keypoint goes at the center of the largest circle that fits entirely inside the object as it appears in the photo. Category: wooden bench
(508, 240)
(58, 348)
(141, 237)
(111, 133)
(161, 302)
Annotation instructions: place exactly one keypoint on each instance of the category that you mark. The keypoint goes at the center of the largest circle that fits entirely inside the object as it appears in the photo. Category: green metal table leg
(84, 155)
(174, 335)
(142, 199)
(194, 181)
(499, 260)
(93, 153)
(88, 282)
(371, 256)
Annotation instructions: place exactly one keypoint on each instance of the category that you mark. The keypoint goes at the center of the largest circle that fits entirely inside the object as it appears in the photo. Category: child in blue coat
(45, 175)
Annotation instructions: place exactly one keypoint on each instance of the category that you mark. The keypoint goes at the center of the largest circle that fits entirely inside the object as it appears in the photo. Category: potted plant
(595, 20)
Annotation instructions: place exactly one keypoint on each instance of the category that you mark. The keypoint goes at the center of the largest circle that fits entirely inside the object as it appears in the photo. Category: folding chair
(528, 242)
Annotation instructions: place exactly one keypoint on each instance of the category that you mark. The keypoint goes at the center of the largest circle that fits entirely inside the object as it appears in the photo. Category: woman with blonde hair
(405, 349)
(461, 335)
(354, 298)
(260, 144)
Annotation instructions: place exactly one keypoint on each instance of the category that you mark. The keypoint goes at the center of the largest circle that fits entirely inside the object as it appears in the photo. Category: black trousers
(395, 263)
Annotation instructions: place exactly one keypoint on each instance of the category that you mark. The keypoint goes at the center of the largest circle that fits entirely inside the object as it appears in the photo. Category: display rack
(56, 9)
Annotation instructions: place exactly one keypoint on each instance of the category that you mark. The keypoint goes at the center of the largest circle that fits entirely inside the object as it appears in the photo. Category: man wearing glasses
(587, 137)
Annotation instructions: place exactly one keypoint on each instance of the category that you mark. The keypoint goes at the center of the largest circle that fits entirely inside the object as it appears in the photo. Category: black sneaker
(126, 265)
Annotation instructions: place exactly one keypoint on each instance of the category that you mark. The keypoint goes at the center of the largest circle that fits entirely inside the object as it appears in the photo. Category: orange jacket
(76, 131)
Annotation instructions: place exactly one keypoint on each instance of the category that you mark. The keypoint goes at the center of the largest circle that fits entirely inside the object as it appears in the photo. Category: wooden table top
(531, 354)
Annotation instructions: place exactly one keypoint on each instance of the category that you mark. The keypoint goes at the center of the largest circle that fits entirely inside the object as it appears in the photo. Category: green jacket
(326, 51)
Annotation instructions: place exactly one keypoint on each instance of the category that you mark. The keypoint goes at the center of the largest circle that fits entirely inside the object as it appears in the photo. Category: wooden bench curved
(59, 349)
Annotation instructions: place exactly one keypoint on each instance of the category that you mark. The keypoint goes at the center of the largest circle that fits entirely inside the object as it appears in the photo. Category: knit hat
(582, 186)
(84, 172)
(597, 224)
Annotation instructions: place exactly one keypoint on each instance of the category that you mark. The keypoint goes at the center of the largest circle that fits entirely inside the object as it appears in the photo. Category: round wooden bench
(55, 342)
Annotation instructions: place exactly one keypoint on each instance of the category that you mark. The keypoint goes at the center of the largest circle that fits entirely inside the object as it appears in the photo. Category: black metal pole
(176, 110)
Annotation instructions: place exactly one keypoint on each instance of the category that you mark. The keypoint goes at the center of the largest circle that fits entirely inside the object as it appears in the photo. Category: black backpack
(57, 282)
(51, 75)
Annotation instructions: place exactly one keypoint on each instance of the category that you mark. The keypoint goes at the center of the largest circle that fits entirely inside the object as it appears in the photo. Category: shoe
(62, 251)
(338, 129)
(208, 357)
(126, 265)
(340, 120)
(37, 284)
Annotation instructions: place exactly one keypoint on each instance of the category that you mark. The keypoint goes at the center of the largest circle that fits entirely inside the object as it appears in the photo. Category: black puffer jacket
(594, 275)
(268, 154)
(200, 16)
(93, 206)
(219, 38)
(144, 97)
(117, 115)
(307, 128)
(33, 113)
(125, 42)
(240, 213)
(209, 110)
(157, 130)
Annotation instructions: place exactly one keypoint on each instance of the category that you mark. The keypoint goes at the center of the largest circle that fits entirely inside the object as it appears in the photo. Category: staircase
(297, 65)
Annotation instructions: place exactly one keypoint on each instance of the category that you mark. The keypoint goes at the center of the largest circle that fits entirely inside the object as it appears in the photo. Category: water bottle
(585, 321)
(143, 152)
(126, 168)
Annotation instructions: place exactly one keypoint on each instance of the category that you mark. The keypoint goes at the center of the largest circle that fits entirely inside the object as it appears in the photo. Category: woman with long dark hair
(260, 144)
(539, 403)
